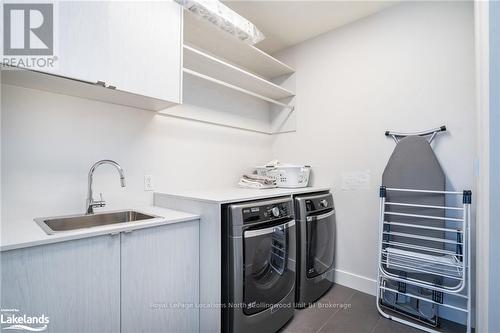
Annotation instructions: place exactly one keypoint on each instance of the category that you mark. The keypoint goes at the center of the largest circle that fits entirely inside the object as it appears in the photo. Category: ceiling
(286, 23)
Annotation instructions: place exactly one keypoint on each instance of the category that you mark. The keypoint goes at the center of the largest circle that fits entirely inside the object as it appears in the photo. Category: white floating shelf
(203, 63)
(234, 87)
(207, 37)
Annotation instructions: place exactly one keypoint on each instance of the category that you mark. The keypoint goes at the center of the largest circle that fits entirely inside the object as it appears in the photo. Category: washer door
(268, 274)
(320, 246)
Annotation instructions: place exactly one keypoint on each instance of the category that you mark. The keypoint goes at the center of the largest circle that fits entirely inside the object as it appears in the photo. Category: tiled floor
(346, 310)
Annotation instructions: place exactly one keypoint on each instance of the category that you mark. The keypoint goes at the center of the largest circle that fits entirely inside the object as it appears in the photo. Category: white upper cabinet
(134, 47)
(145, 48)
(83, 32)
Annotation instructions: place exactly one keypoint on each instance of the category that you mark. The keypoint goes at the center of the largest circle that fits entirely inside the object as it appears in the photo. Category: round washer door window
(268, 275)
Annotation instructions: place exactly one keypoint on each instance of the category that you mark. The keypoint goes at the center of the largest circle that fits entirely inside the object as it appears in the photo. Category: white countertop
(236, 194)
(25, 233)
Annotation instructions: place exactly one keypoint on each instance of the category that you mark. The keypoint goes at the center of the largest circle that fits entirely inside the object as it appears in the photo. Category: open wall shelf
(205, 36)
(198, 61)
(230, 83)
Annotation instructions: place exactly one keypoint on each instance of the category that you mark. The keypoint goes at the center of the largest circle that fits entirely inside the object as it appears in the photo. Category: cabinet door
(160, 279)
(83, 33)
(134, 46)
(75, 283)
(145, 48)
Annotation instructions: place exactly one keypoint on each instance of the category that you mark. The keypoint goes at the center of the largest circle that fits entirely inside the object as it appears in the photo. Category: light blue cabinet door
(160, 279)
(76, 284)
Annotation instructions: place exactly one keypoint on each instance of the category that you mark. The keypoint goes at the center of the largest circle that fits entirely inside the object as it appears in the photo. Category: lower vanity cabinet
(146, 280)
(76, 284)
(160, 279)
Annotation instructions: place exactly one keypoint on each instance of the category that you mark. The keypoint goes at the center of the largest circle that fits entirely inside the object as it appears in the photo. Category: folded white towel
(254, 184)
(260, 179)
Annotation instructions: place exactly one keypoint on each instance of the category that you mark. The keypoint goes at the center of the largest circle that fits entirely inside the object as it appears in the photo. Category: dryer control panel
(319, 203)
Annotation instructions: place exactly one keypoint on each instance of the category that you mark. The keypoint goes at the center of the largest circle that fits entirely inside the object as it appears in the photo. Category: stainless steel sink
(53, 225)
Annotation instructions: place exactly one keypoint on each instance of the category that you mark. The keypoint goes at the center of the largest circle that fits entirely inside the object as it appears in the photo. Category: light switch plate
(148, 183)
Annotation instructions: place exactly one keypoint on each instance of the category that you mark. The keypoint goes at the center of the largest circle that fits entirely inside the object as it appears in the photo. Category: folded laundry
(258, 178)
(255, 185)
(256, 181)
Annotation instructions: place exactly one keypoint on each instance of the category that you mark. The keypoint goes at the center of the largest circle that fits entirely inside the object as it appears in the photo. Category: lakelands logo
(28, 35)
(10, 319)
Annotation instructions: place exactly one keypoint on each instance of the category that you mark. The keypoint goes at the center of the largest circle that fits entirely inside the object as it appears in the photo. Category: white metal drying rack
(457, 271)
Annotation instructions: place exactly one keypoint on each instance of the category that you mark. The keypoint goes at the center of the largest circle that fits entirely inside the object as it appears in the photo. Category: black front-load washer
(258, 268)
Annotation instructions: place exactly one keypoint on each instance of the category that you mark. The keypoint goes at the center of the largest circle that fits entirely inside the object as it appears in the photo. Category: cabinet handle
(114, 233)
(103, 84)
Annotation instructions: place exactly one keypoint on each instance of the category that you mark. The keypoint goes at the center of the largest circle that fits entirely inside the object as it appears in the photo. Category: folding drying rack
(434, 267)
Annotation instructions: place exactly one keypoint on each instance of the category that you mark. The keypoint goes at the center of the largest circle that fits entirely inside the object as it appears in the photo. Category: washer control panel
(260, 213)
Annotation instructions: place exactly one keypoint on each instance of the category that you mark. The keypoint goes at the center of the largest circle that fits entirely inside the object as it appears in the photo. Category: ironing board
(413, 165)
(421, 239)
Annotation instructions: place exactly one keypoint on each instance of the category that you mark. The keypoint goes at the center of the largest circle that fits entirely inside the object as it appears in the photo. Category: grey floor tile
(311, 319)
(330, 315)
(447, 326)
(335, 300)
(361, 317)
(390, 326)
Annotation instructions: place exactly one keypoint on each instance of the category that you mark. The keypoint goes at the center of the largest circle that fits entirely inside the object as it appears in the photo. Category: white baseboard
(369, 286)
(357, 282)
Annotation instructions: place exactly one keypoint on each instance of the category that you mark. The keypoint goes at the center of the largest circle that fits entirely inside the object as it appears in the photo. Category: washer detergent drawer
(268, 265)
(320, 244)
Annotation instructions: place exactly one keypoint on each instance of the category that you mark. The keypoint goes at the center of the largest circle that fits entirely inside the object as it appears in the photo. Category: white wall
(49, 142)
(407, 68)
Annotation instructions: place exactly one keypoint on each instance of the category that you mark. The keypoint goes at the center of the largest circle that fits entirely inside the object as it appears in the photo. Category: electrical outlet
(148, 183)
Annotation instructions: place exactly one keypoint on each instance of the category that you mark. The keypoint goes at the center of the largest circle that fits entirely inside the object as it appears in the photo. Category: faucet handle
(101, 202)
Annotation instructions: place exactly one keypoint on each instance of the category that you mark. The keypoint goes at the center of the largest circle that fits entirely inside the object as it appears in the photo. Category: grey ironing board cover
(413, 165)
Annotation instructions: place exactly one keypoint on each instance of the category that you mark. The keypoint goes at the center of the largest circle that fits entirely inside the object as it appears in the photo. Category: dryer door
(320, 247)
(268, 267)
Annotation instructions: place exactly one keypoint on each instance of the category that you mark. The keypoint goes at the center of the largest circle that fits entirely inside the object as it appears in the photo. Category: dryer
(315, 216)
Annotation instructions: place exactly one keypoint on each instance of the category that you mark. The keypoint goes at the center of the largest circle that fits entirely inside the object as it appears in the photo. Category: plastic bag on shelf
(224, 18)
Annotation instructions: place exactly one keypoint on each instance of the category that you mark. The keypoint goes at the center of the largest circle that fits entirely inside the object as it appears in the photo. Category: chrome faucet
(91, 203)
